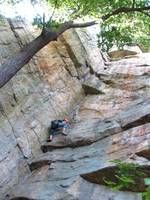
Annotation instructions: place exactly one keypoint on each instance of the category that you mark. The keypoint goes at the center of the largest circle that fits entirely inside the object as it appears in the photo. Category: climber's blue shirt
(57, 124)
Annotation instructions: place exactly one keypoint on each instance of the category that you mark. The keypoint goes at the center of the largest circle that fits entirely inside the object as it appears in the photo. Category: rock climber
(58, 126)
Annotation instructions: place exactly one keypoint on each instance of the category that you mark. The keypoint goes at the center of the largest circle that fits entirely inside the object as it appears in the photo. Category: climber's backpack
(54, 124)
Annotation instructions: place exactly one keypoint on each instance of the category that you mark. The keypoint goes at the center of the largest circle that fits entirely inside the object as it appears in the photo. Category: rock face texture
(108, 104)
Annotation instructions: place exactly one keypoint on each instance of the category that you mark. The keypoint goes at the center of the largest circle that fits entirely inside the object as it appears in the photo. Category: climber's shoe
(50, 138)
(64, 133)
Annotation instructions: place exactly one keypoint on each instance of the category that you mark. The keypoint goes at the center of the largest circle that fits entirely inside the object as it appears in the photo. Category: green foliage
(147, 181)
(38, 21)
(94, 7)
(146, 195)
(52, 24)
(125, 175)
(124, 30)
(122, 182)
(119, 30)
(111, 35)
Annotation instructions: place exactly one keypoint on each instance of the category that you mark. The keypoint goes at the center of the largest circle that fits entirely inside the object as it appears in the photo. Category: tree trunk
(13, 65)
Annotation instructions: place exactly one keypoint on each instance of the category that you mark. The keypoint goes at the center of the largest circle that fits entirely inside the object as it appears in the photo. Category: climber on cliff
(58, 126)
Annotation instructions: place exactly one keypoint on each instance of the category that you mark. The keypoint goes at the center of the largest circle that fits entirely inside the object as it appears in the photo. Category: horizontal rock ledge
(90, 131)
(84, 134)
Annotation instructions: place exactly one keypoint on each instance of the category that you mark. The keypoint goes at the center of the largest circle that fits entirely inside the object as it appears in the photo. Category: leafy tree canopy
(121, 22)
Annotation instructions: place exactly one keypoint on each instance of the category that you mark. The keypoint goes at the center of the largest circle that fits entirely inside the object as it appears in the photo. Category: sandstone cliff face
(106, 102)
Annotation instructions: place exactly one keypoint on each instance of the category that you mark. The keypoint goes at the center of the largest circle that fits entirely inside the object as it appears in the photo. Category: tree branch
(50, 19)
(43, 21)
(133, 4)
(145, 13)
(13, 65)
(124, 10)
(68, 25)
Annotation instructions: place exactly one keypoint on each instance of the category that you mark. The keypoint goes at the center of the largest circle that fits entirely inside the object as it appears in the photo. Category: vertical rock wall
(107, 103)
(48, 87)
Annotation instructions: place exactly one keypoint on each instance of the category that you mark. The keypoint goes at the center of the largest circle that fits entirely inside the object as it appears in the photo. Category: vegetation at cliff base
(125, 175)
(126, 178)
